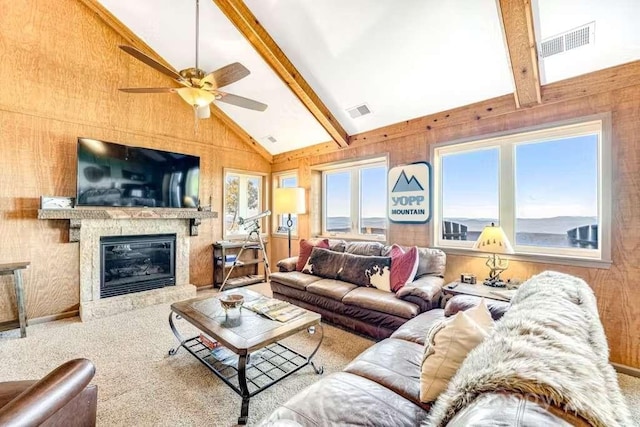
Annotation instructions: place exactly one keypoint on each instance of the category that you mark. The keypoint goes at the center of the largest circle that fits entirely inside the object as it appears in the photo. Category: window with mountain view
(354, 200)
(544, 187)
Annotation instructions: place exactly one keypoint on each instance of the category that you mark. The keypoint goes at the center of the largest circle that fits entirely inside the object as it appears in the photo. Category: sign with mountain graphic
(410, 193)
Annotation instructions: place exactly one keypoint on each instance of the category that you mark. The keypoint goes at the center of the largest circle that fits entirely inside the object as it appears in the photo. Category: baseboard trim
(628, 370)
(13, 324)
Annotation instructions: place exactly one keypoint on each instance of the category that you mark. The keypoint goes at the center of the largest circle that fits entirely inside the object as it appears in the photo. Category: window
(285, 180)
(243, 194)
(544, 187)
(355, 200)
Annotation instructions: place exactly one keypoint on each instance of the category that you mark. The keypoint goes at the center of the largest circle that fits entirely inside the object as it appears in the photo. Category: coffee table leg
(176, 333)
(22, 313)
(242, 382)
(312, 330)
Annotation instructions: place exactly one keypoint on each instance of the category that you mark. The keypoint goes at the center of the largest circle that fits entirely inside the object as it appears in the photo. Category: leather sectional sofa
(537, 385)
(365, 310)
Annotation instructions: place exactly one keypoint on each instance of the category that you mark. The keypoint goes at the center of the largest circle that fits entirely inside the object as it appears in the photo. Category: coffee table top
(242, 331)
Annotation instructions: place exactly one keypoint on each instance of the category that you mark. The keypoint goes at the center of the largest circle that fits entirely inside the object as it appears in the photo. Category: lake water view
(549, 232)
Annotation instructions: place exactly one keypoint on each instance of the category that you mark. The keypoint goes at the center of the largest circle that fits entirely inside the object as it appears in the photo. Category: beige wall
(617, 288)
(60, 68)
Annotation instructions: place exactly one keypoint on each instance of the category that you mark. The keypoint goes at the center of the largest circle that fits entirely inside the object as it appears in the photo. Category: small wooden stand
(16, 270)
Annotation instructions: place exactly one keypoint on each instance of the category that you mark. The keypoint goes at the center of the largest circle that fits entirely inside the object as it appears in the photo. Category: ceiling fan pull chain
(197, 29)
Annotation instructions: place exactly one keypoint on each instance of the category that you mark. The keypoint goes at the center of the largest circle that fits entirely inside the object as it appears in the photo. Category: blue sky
(555, 178)
(374, 190)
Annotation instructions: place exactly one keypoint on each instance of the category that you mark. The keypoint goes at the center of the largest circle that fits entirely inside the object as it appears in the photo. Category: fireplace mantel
(77, 215)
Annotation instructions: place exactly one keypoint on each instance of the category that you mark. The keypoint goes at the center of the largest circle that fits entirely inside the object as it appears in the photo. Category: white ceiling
(405, 59)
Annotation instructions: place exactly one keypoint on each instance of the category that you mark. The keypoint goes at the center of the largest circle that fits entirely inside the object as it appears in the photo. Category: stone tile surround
(91, 305)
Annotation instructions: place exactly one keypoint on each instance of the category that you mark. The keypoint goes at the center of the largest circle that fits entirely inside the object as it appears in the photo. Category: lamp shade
(289, 201)
(493, 240)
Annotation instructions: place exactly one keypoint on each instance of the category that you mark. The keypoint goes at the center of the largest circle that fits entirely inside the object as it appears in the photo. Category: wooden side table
(16, 269)
(478, 290)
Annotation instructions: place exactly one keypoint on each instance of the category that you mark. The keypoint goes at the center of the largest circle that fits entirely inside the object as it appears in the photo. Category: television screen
(118, 175)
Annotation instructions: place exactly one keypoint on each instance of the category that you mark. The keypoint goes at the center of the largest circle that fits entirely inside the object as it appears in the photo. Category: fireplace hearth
(130, 264)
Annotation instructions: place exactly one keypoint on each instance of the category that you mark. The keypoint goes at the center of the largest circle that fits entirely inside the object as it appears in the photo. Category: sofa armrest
(427, 288)
(44, 398)
(464, 302)
(288, 264)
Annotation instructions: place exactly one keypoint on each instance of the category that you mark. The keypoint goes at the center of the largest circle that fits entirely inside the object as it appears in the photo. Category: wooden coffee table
(244, 333)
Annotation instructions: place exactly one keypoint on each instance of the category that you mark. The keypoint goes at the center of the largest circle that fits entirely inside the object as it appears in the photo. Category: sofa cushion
(432, 261)
(447, 345)
(364, 248)
(464, 302)
(324, 263)
(394, 364)
(337, 245)
(306, 246)
(404, 265)
(415, 330)
(366, 271)
(294, 279)
(334, 289)
(324, 404)
(384, 302)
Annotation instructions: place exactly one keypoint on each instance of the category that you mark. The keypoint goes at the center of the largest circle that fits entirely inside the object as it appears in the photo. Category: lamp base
(495, 283)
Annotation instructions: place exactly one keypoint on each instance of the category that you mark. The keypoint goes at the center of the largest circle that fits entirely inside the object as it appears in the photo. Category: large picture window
(354, 200)
(243, 198)
(548, 189)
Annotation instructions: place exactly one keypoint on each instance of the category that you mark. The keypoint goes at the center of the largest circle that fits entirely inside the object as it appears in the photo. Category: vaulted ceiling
(403, 59)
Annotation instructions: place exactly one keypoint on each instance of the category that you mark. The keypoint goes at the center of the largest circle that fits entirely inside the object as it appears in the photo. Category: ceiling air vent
(569, 40)
(270, 139)
(359, 111)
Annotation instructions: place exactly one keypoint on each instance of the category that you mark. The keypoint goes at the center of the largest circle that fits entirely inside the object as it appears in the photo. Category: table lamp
(494, 241)
(289, 201)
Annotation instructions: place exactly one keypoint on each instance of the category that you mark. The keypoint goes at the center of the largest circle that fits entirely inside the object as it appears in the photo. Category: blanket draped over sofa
(542, 351)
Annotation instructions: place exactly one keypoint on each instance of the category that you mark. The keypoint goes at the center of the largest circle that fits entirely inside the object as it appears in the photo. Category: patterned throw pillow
(404, 266)
(324, 263)
(306, 246)
(446, 346)
(371, 271)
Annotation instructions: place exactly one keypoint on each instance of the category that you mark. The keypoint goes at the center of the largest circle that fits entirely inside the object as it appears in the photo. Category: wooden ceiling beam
(240, 15)
(517, 23)
(136, 42)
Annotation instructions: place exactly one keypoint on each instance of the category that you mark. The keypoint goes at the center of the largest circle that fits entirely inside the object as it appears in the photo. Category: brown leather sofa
(62, 398)
(382, 388)
(368, 311)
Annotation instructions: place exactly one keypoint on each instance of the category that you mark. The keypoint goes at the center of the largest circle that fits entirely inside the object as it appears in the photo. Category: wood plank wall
(618, 288)
(61, 67)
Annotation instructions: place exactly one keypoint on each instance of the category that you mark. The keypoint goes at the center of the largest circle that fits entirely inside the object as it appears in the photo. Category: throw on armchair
(62, 398)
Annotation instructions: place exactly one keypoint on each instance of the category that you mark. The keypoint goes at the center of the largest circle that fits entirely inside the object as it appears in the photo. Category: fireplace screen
(136, 263)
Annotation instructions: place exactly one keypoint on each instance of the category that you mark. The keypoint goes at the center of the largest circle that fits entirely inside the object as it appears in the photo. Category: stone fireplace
(147, 262)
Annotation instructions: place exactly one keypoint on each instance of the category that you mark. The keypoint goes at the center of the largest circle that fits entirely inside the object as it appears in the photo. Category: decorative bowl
(231, 301)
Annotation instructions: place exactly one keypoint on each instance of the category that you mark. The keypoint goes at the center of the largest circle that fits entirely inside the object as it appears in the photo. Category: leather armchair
(62, 398)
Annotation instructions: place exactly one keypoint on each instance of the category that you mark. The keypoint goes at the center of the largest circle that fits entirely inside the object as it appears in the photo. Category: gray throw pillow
(324, 263)
(372, 271)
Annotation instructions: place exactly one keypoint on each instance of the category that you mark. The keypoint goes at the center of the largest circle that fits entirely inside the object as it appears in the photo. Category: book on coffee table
(274, 309)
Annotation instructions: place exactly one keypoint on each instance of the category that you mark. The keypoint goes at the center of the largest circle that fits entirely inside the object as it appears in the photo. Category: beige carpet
(139, 385)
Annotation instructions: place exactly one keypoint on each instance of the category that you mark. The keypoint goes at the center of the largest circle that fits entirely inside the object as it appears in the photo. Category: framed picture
(52, 202)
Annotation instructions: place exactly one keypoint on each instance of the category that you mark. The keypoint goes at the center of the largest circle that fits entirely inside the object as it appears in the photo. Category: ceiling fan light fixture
(196, 97)
(203, 112)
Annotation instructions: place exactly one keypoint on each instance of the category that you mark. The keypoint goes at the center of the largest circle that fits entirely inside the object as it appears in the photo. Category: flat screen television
(112, 174)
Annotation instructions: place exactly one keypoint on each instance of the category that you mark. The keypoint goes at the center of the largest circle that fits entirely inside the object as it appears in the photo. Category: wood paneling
(614, 90)
(61, 69)
(240, 15)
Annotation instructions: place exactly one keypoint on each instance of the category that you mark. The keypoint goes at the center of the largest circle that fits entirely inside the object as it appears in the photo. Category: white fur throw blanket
(549, 346)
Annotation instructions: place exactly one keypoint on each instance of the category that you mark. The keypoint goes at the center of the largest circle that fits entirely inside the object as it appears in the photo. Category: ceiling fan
(199, 89)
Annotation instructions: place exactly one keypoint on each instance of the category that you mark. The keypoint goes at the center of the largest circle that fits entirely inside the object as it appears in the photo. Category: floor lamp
(289, 201)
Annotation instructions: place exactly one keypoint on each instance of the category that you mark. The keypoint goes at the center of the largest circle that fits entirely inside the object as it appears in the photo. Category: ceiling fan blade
(151, 62)
(241, 101)
(225, 76)
(148, 89)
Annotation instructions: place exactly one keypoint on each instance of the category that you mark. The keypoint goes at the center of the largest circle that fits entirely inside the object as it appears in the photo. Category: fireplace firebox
(131, 264)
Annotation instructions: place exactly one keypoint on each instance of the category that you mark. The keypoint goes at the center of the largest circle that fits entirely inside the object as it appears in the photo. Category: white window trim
(264, 197)
(600, 124)
(275, 182)
(354, 167)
